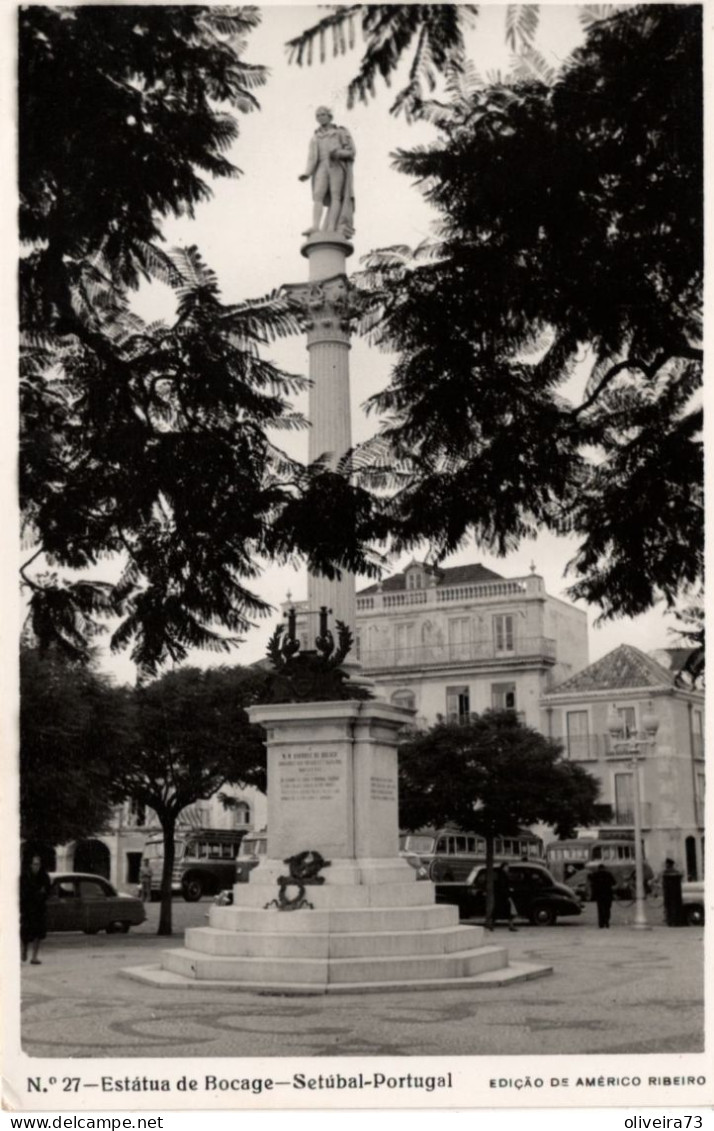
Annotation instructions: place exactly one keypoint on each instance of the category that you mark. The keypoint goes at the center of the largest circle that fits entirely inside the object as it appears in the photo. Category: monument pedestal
(371, 925)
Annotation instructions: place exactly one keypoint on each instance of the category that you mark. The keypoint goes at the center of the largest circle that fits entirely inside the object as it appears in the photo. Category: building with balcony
(457, 640)
(670, 770)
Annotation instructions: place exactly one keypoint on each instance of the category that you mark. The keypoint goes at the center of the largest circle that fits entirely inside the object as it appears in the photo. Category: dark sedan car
(79, 901)
(536, 895)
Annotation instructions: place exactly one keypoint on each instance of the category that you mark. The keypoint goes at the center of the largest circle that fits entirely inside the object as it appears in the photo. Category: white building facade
(450, 642)
(670, 770)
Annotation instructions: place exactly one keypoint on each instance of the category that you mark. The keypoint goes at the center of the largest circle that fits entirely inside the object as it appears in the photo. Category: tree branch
(689, 353)
(26, 565)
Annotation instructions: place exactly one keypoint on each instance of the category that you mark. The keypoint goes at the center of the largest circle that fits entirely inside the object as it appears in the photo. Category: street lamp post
(635, 743)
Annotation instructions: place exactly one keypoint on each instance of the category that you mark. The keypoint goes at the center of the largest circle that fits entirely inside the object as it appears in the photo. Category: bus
(573, 861)
(253, 849)
(205, 861)
(446, 855)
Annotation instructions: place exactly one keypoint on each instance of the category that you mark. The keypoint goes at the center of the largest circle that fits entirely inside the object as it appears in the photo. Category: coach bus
(204, 864)
(573, 861)
(450, 854)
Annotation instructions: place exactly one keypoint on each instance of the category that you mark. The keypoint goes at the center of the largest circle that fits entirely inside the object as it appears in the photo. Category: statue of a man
(329, 164)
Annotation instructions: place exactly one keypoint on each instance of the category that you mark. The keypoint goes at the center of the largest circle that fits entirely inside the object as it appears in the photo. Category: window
(64, 889)
(624, 799)
(697, 734)
(503, 633)
(503, 696)
(404, 698)
(358, 645)
(578, 740)
(90, 889)
(241, 814)
(458, 707)
(459, 638)
(629, 720)
(415, 579)
(403, 642)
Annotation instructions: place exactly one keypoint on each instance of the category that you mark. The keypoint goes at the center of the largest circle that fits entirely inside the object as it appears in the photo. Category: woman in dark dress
(34, 890)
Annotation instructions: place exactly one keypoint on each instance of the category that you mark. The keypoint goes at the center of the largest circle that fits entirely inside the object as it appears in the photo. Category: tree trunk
(168, 827)
(490, 900)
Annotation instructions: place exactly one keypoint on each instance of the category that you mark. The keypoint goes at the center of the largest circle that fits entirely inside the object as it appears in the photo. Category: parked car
(79, 901)
(693, 902)
(536, 895)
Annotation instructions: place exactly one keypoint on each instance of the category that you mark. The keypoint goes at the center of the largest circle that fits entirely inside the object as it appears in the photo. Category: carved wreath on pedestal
(304, 868)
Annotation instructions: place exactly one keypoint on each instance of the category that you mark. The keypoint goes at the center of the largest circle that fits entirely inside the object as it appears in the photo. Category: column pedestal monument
(333, 908)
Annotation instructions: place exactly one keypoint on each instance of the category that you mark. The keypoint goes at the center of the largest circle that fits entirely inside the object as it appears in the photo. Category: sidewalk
(614, 991)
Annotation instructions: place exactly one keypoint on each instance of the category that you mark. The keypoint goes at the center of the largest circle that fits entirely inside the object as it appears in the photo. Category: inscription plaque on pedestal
(311, 775)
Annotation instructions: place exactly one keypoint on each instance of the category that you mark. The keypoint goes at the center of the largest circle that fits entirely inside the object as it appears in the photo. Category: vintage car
(80, 901)
(536, 895)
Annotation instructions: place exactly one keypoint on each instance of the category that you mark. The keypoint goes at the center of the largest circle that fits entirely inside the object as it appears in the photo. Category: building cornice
(552, 698)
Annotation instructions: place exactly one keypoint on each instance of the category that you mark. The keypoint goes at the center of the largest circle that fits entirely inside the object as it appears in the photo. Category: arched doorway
(92, 856)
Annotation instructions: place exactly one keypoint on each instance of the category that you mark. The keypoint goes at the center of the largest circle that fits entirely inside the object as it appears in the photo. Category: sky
(250, 235)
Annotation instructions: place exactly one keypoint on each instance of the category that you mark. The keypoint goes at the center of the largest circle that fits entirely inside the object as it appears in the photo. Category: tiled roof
(453, 575)
(624, 667)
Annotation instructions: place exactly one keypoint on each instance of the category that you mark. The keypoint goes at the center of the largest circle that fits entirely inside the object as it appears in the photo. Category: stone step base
(310, 971)
(515, 972)
(382, 944)
(363, 920)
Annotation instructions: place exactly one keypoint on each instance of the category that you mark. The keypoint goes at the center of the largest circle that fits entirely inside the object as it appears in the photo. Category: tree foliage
(491, 776)
(121, 111)
(432, 37)
(148, 443)
(73, 725)
(191, 735)
(433, 32)
(570, 236)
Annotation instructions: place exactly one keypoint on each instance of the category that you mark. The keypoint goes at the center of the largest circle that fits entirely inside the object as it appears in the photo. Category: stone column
(329, 305)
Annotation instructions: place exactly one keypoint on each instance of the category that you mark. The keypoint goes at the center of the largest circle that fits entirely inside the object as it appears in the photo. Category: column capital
(329, 305)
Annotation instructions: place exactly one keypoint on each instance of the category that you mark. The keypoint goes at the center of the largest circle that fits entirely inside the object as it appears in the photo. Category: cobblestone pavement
(616, 991)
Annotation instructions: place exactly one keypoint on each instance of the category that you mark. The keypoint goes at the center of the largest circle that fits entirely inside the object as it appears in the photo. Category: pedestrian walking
(145, 878)
(502, 896)
(602, 886)
(34, 890)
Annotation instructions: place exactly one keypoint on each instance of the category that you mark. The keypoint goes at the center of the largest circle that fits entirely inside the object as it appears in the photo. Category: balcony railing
(537, 648)
(484, 591)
